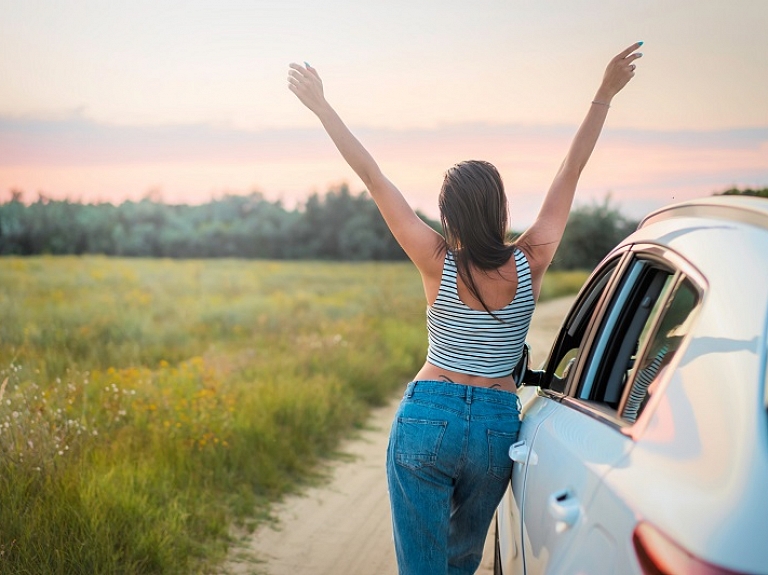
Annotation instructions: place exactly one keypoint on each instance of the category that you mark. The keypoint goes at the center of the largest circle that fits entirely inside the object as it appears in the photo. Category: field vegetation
(147, 405)
(338, 225)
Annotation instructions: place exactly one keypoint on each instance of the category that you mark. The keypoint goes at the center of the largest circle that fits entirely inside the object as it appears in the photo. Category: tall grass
(147, 404)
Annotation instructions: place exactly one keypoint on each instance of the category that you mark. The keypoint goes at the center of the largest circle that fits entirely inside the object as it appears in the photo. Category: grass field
(146, 405)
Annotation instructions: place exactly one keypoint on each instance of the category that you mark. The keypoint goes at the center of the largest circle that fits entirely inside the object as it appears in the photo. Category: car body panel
(695, 463)
(510, 526)
(565, 439)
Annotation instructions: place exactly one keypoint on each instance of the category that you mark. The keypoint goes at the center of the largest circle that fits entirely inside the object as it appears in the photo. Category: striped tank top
(474, 342)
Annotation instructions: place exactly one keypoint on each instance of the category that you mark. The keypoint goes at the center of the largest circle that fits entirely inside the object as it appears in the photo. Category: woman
(447, 462)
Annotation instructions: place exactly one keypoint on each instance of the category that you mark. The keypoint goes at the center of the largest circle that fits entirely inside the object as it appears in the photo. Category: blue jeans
(448, 467)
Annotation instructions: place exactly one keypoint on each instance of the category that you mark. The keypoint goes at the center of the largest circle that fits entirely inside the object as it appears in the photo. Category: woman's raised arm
(419, 241)
(542, 238)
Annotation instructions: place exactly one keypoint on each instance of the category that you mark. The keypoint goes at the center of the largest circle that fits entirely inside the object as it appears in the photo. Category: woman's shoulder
(534, 259)
(537, 263)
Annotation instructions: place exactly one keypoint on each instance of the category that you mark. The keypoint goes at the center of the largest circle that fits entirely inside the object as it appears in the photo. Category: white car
(644, 445)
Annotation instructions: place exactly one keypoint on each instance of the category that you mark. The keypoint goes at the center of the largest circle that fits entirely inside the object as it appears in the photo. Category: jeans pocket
(417, 441)
(499, 463)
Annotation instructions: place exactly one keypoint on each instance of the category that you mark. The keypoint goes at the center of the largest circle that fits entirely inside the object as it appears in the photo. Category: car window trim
(622, 255)
(674, 260)
(677, 280)
(600, 344)
(683, 269)
(635, 327)
(595, 410)
(589, 336)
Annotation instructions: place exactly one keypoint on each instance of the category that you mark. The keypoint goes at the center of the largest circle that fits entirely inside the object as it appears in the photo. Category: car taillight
(660, 555)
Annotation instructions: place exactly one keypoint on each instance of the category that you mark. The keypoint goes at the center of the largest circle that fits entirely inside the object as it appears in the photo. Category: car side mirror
(523, 374)
(523, 365)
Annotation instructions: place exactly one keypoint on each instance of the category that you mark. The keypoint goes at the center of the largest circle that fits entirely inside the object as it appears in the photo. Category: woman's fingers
(624, 61)
(631, 58)
(620, 70)
(305, 71)
(628, 51)
(312, 71)
(626, 58)
(302, 74)
(297, 76)
(305, 82)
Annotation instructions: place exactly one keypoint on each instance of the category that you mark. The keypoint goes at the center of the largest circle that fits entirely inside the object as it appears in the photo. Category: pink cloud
(84, 160)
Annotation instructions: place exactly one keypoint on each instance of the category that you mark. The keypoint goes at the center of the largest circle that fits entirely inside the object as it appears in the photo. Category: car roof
(744, 209)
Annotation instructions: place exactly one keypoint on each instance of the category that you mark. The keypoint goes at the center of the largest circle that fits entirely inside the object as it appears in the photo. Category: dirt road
(343, 526)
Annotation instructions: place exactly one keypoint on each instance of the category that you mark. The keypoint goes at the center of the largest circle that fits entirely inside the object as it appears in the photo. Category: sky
(188, 101)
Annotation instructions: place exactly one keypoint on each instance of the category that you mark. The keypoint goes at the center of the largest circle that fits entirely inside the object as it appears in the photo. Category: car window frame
(618, 258)
(680, 281)
(663, 256)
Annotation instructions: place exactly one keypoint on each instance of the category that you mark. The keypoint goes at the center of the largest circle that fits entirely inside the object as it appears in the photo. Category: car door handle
(564, 507)
(520, 452)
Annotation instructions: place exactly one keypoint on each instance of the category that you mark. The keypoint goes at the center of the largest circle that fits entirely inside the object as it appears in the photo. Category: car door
(569, 451)
(539, 484)
(593, 386)
(633, 350)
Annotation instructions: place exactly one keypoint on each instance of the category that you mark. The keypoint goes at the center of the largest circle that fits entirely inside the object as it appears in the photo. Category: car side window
(570, 338)
(630, 345)
(660, 344)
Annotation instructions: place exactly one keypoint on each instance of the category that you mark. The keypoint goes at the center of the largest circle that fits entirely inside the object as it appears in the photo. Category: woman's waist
(431, 372)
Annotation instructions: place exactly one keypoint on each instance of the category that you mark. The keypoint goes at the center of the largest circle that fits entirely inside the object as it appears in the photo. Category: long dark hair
(473, 211)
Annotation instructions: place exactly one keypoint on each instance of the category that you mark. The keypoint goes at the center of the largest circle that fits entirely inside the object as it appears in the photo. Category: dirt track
(343, 526)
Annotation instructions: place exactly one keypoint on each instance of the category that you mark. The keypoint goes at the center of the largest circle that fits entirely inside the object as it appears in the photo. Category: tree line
(338, 225)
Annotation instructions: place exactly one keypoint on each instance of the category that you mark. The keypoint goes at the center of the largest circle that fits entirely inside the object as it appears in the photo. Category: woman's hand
(618, 73)
(305, 82)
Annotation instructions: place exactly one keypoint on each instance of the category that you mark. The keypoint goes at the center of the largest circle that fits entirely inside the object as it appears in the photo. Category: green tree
(760, 193)
(338, 225)
(592, 231)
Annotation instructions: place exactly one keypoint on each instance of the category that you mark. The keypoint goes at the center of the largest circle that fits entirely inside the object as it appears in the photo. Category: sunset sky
(107, 101)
